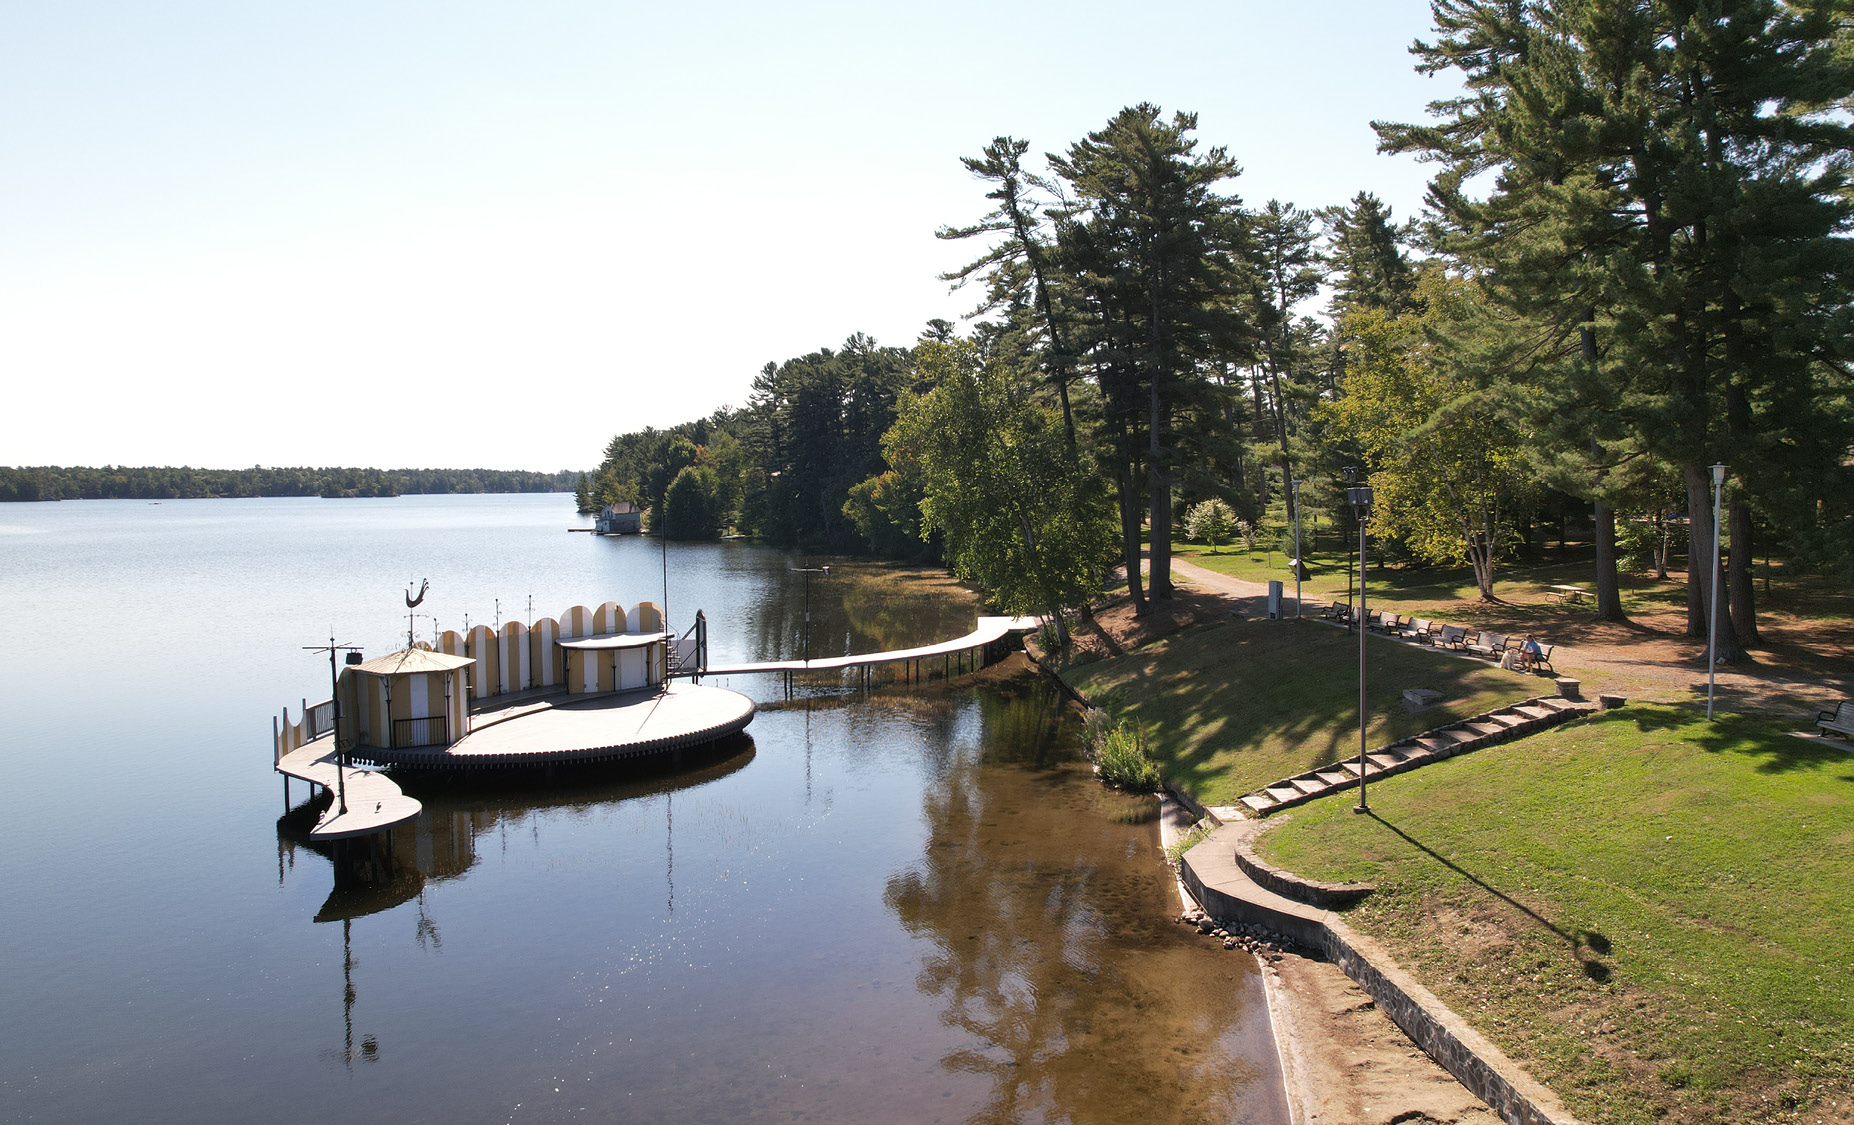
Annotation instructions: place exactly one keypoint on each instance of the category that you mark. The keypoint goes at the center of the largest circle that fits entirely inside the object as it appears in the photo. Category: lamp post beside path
(1712, 617)
(1294, 491)
(808, 571)
(1360, 500)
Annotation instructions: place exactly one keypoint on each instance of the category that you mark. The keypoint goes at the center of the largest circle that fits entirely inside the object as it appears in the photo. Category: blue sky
(462, 234)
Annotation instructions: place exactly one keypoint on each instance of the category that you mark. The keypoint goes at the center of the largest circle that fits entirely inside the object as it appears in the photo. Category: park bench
(1568, 593)
(1418, 629)
(1542, 662)
(1385, 622)
(1337, 611)
(1490, 645)
(1452, 636)
(1839, 721)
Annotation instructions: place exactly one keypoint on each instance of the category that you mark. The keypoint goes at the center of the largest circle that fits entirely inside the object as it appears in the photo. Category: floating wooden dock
(374, 803)
(571, 729)
(990, 631)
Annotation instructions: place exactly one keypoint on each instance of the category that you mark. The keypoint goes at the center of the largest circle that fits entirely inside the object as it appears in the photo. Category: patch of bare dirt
(1113, 629)
(1350, 1064)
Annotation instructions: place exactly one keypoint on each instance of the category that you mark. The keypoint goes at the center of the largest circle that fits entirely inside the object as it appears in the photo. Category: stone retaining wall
(1326, 896)
(1476, 1063)
(1443, 1036)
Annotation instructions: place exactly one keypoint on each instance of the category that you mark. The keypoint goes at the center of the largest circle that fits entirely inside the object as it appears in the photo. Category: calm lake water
(914, 905)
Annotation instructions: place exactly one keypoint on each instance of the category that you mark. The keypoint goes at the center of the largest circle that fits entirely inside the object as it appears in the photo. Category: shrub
(1119, 753)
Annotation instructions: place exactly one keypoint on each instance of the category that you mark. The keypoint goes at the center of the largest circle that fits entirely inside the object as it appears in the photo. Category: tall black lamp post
(1350, 473)
(334, 697)
(1360, 499)
(808, 571)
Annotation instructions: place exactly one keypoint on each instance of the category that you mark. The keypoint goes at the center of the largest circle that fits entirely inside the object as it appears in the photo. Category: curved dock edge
(374, 803)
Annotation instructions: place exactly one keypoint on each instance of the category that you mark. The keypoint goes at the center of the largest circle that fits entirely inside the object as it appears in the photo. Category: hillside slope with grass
(1649, 911)
(1231, 706)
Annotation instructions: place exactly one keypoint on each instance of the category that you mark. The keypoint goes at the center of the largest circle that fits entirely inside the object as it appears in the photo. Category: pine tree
(1668, 222)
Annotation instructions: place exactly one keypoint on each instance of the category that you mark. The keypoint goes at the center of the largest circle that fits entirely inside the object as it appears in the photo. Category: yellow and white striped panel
(451, 643)
(646, 618)
(576, 622)
(544, 653)
(513, 658)
(608, 619)
(481, 647)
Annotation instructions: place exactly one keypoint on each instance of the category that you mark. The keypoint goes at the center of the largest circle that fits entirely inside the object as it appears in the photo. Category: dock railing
(319, 720)
(286, 736)
(426, 731)
(689, 652)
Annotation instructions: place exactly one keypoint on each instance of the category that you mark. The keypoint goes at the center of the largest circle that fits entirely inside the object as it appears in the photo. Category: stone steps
(1507, 723)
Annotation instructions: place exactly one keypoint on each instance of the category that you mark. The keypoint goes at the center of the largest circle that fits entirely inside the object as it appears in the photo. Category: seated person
(1528, 653)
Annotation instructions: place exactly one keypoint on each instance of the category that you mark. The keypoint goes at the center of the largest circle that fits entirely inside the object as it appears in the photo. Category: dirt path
(1802, 669)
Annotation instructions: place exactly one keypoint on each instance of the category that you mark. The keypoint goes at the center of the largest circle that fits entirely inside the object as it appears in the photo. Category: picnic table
(1568, 593)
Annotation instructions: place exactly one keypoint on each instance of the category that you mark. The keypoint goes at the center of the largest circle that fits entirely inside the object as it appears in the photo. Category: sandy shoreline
(1343, 1062)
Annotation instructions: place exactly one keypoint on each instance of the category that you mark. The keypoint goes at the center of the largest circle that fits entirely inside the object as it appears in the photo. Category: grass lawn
(1650, 911)
(1229, 707)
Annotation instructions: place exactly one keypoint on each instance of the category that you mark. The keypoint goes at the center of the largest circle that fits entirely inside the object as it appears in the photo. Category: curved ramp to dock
(990, 630)
(374, 802)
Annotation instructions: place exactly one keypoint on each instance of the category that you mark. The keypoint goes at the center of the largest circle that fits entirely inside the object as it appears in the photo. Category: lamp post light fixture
(334, 706)
(1359, 498)
(1295, 493)
(808, 571)
(1712, 622)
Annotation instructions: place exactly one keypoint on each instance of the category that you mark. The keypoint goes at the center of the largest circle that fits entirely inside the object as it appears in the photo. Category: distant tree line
(1635, 261)
(123, 482)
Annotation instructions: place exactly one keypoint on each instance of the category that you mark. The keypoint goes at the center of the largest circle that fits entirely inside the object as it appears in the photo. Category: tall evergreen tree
(1365, 254)
(1672, 184)
(1149, 239)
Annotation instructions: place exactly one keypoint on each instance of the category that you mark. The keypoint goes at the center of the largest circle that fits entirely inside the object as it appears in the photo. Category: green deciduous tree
(1448, 464)
(1020, 515)
(1210, 521)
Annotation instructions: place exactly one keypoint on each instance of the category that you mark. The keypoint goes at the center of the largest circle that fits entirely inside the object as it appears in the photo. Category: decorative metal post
(1712, 622)
(334, 703)
(1360, 500)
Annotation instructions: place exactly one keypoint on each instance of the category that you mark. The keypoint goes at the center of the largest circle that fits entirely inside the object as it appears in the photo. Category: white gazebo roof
(412, 660)
(614, 640)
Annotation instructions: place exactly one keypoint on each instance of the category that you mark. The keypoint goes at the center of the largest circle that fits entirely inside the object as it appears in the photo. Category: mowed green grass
(1650, 911)
(1230, 707)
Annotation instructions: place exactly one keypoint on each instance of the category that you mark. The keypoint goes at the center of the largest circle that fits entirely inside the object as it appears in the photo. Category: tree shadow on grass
(1744, 735)
(1577, 940)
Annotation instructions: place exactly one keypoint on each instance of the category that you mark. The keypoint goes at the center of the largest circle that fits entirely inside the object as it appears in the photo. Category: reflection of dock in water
(442, 844)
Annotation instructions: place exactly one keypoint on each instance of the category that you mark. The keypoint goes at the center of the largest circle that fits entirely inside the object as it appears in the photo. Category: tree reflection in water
(1079, 998)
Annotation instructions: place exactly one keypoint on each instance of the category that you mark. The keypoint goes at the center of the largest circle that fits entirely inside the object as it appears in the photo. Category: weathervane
(411, 604)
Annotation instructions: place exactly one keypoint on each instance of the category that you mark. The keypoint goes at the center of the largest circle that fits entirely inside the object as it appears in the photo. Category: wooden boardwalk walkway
(990, 630)
(374, 802)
